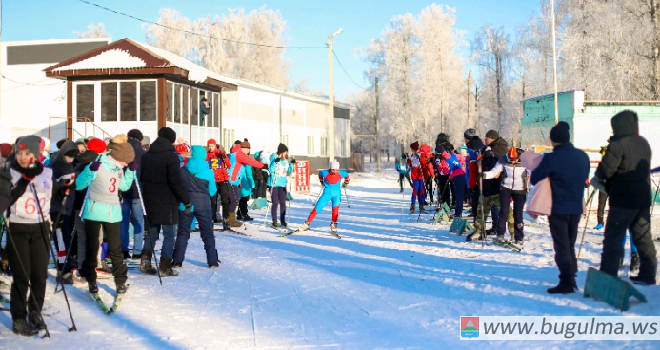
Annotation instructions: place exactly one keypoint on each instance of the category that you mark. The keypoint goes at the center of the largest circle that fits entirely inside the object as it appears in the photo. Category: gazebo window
(148, 101)
(85, 101)
(185, 99)
(128, 101)
(215, 110)
(194, 107)
(177, 103)
(108, 102)
(169, 113)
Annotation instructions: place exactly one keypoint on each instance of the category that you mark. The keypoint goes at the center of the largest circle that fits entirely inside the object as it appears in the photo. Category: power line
(32, 84)
(344, 69)
(199, 34)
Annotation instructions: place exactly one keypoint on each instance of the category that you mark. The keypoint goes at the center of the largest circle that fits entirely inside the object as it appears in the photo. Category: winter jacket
(198, 179)
(427, 166)
(279, 170)
(402, 167)
(416, 162)
(247, 182)
(500, 147)
(625, 168)
(332, 182)
(23, 208)
(63, 170)
(455, 167)
(103, 202)
(474, 146)
(238, 159)
(219, 163)
(489, 159)
(137, 148)
(513, 175)
(161, 182)
(257, 174)
(568, 170)
(83, 161)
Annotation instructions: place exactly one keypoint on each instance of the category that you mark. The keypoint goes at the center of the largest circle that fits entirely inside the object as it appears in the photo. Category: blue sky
(309, 23)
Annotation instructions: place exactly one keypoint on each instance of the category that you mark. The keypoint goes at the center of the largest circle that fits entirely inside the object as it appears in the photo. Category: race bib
(414, 160)
(214, 163)
(281, 170)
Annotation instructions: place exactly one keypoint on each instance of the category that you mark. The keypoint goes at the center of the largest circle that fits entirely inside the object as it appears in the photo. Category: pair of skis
(233, 231)
(108, 310)
(507, 244)
(287, 232)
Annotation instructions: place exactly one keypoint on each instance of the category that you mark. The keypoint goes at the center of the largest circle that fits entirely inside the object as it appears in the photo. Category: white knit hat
(334, 165)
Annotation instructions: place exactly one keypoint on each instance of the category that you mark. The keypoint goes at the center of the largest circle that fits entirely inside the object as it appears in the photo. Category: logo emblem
(469, 327)
(22, 146)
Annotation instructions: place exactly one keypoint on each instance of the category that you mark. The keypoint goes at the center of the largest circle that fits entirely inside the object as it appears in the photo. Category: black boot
(634, 263)
(23, 328)
(225, 225)
(37, 321)
(93, 288)
(562, 288)
(642, 281)
(145, 263)
(274, 224)
(122, 288)
(166, 268)
(137, 256)
(127, 255)
(412, 208)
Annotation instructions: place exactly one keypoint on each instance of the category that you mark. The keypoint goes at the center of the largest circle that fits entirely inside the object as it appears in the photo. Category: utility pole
(378, 160)
(468, 93)
(331, 103)
(554, 58)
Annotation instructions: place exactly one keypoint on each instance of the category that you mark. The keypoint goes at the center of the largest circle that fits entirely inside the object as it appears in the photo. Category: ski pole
(50, 247)
(148, 230)
(68, 254)
(591, 197)
(347, 200)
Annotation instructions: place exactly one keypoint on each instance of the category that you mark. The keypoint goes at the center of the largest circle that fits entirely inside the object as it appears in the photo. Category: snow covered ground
(389, 283)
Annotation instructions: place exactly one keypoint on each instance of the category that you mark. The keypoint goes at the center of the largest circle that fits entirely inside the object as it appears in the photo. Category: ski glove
(345, 184)
(94, 166)
(598, 184)
(132, 166)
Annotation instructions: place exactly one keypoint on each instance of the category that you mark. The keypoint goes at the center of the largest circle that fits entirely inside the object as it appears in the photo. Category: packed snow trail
(388, 283)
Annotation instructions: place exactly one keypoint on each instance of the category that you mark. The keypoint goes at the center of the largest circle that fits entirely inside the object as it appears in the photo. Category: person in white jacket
(515, 185)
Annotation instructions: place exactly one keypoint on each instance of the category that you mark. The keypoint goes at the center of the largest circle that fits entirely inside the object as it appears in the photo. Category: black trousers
(638, 221)
(564, 230)
(445, 188)
(112, 235)
(243, 207)
(223, 193)
(602, 201)
(30, 251)
(406, 176)
(256, 192)
(429, 189)
(474, 200)
(518, 205)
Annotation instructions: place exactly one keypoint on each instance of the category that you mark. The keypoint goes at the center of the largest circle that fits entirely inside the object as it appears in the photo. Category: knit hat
(512, 154)
(182, 148)
(440, 149)
(60, 143)
(492, 134)
(5, 149)
(414, 146)
(281, 148)
(31, 144)
(334, 165)
(561, 133)
(442, 138)
(237, 142)
(136, 134)
(211, 142)
(167, 133)
(122, 152)
(96, 145)
(469, 133)
(245, 143)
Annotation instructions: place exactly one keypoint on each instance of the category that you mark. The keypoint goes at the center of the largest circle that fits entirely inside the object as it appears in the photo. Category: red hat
(211, 142)
(414, 146)
(512, 154)
(5, 149)
(182, 148)
(96, 145)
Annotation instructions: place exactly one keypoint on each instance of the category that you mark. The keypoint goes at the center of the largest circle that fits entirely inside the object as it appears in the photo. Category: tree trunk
(654, 5)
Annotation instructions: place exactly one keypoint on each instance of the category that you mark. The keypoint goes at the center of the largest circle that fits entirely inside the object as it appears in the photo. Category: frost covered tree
(94, 31)
(170, 33)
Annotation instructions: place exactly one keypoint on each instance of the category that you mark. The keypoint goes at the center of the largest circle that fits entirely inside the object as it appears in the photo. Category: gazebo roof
(129, 57)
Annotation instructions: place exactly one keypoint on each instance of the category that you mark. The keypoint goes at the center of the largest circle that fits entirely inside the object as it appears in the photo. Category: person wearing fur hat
(219, 163)
(25, 187)
(331, 182)
(568, 170)
(280, 168)
(238, 159)
(105, 179)
(416, 162)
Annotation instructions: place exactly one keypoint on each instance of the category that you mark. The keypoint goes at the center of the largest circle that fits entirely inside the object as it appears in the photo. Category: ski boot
(122, 288)
(225, 225)
(37, 321)
(333, 227)
(303, 227)
(232, 220)
(247, 217)
(283, 224)
(274, 224)
(93, 288)
(412, 208)
(23, 328)
(145, 263)
(598, 227)
(634, 263)
(166, 268)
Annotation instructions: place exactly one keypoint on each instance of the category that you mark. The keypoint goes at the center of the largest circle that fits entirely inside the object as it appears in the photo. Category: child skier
(280, 168)
(330, 180)
(238, 158)
(104, 178)
(416, 162)
(457, 177)
(23, 182)
(404, 171)
(199, 181)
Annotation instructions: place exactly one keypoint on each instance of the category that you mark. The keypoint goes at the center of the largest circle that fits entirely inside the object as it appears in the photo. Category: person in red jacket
(428, 172)
(238, 158)
(416, 162)
(219, 163)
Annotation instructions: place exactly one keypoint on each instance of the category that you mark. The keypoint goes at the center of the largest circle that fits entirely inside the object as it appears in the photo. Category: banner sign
(302, 176)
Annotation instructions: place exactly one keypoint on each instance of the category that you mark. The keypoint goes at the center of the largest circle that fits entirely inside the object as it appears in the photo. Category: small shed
(128, 84)
(589, 121)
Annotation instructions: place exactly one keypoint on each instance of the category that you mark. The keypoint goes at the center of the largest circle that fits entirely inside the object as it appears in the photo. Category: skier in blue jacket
(331, 182)
(280, 168)
(404, 171)
(199, 181)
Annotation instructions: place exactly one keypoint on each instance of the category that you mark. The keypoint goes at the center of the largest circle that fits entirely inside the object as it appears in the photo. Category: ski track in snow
(389, 283)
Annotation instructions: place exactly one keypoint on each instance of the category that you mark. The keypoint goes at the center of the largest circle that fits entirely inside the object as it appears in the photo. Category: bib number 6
(31, 207)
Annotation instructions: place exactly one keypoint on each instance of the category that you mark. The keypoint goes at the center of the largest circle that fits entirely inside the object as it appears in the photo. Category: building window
(215, 111)
(170, 88)
(228, 136)
(185, 98)
(194, 107)
(148, 101)
(310, 145)
(343, 148)
(85, 102)
(109, 102)
(177, 103)
(324, 146)
(128, 100)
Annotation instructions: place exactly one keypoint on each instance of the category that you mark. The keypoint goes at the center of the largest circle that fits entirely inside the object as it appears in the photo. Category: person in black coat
(163, 190)
(491, 187)
(131, 207)
(624, 172)
(568, 170)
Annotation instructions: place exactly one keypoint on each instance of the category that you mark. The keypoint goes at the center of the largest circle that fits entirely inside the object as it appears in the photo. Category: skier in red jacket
(219, 163)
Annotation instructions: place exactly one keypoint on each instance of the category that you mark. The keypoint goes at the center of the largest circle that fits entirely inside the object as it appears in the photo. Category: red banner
(302, 176)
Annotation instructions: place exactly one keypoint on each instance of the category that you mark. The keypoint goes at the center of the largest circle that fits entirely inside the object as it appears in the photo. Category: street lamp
(331, 104)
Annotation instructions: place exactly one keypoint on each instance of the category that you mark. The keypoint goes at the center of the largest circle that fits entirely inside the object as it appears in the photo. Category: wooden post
(69, 110)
